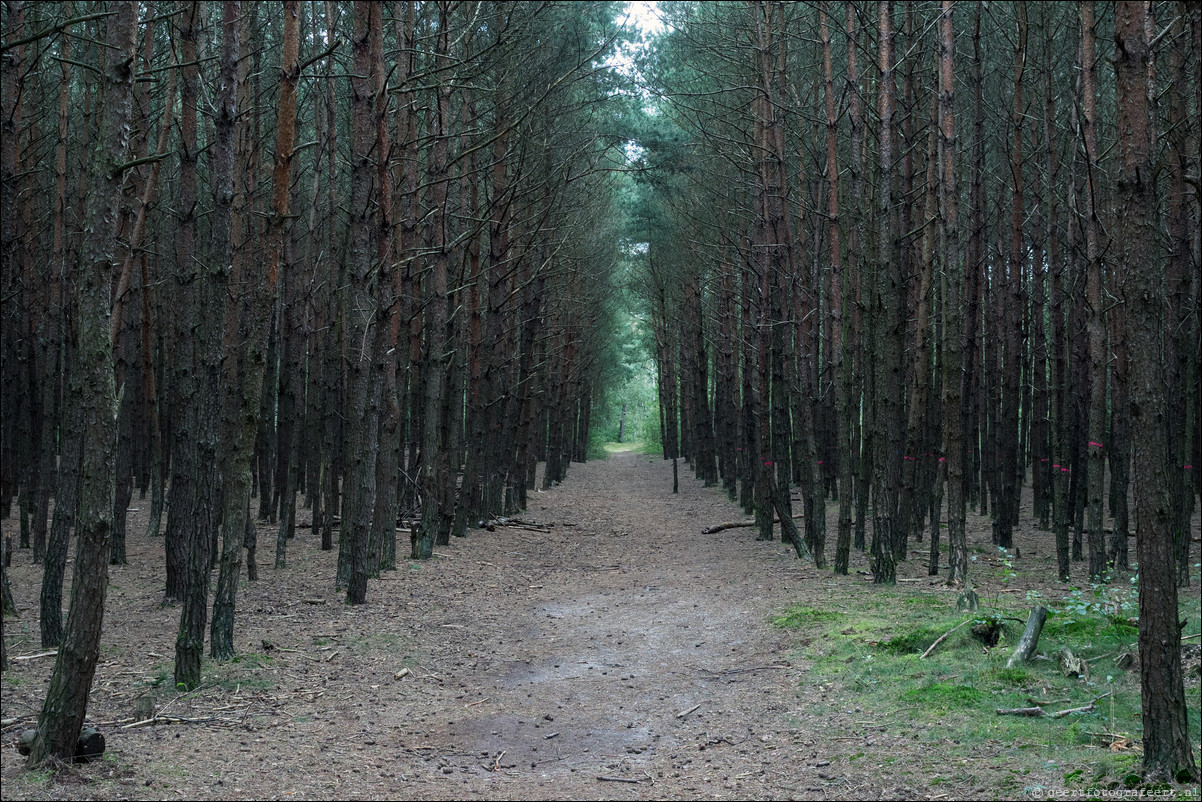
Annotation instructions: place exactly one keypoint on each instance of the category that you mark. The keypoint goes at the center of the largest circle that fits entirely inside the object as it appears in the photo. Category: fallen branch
(50, 653)
(710, 530)
(1113, 736)
(1039, 712)
(1051, 702)
(745, 670)
(617, 780)
(514, 523)
(931, 648)
(1087, 708)
(684, 713)
(179, 720)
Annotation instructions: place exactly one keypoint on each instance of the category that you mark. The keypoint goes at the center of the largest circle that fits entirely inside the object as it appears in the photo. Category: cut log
(1030, 638)
(89, 746)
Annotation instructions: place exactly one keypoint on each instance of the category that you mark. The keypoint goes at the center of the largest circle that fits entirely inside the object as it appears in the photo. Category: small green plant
(162, 676)
(40, 776)
(1007, 561)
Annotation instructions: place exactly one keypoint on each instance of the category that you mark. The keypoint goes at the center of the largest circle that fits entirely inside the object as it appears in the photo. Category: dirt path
(642, 646)
(623, 644)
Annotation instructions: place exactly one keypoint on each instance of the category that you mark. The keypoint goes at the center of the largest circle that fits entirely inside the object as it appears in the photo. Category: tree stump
(1030, 638)
(144, 708)
(1073, 666)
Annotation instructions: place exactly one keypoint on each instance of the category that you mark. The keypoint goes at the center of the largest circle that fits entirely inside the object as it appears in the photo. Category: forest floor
(620, 655)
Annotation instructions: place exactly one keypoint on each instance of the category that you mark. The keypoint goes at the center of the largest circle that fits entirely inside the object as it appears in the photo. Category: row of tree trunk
(371, 282)
(907, 292)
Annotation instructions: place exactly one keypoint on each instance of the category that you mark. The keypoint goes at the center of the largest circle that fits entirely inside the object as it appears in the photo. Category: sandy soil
(620, 655)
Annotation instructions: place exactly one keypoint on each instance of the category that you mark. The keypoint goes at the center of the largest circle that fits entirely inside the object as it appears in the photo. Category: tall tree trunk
(382, 543)
(1168, 750)
(1061, 375)
(434, 457)
(66, 702)
(1007, 454)
(213, 283)
(245, 354)
(888, 327)
(1181, 270)
(841, 361)
(1093, 294)
(856, 276)
(361, 312)
(955, 355)
(973, 268)
(184, 470)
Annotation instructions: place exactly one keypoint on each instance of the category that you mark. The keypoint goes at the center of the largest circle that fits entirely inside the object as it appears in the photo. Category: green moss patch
(944, 696)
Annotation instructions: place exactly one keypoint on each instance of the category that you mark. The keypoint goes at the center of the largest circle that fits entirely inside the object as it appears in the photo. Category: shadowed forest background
(382, 261)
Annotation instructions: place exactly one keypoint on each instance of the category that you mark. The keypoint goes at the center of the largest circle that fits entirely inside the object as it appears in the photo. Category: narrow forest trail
(517, 664)
(604, 633)
(623, 645)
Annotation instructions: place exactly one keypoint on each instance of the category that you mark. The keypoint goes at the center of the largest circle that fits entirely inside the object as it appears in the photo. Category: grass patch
(246, 670)
(914, 642)
(943, 696)
(864, 651)
(1115, 628)
(252, 660)
(389, 642)
(924, 600)
(1016, 677)
(236, 684)
(799, 617)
